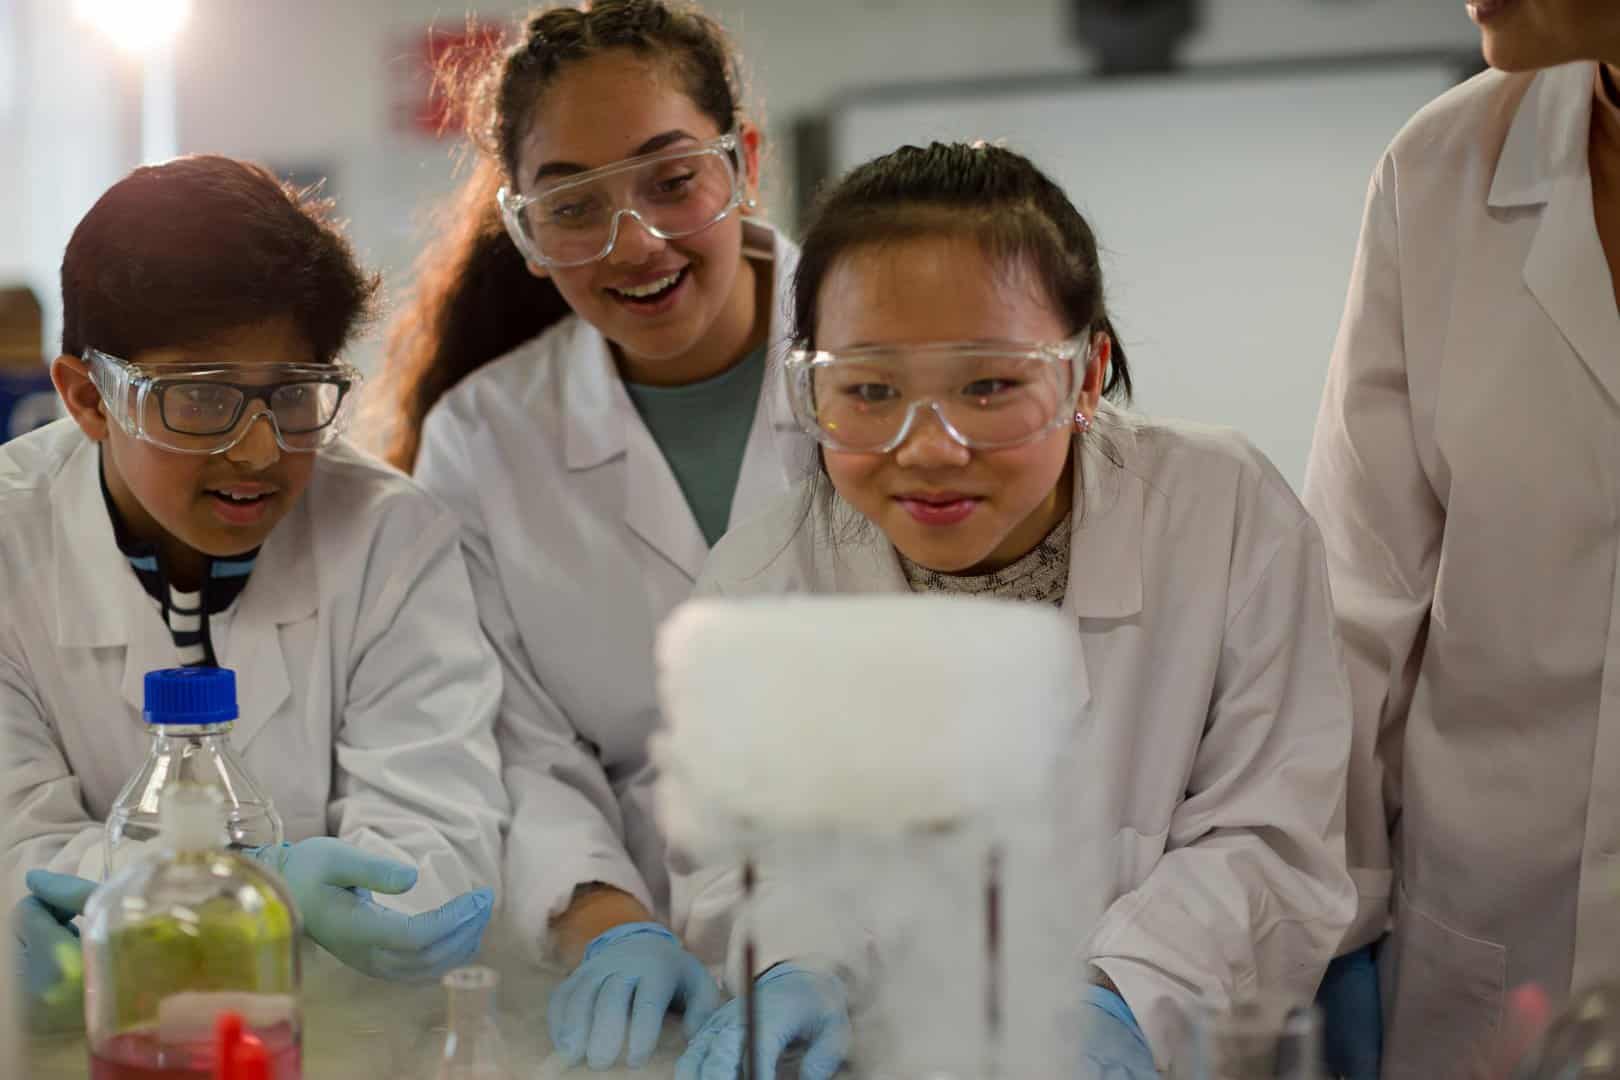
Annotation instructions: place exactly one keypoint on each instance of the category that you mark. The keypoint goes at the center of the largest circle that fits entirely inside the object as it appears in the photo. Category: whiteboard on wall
(1228, 205)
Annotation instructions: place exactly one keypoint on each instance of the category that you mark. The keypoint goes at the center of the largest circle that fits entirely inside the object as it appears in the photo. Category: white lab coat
(367, 695)
(1466, 475)
(579, 542)
(1215, 712)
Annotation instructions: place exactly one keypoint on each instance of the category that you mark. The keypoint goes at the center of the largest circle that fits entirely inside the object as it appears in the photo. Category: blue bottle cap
(191, 696)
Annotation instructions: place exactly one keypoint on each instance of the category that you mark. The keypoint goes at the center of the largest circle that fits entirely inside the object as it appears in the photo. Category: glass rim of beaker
(1299, 1016)
(471, 977)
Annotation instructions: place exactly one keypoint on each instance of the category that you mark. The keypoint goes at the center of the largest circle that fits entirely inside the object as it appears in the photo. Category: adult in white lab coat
(198, 509)
(602, 408)
(1215, 712)
(1465, 474)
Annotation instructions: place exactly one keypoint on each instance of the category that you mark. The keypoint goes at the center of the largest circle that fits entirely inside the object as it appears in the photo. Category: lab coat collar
(602, 423)
(284, 589)
(97, 597)
(779, 454)
(99, 602)
(863, 561)
(1547, 139)
(1105, 552)
(655, 508)
(593, 432)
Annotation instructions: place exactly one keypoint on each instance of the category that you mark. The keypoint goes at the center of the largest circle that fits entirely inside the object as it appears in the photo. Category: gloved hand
(49, 962)
(795, 1005)
(1352, 1017)
(590, 1012)
(1112, 1046)
(331, 881)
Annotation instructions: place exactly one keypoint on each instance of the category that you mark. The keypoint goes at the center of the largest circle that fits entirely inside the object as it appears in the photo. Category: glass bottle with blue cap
(189, 713)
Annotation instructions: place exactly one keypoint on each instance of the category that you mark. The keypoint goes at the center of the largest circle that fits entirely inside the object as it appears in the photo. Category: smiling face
(941, 504)
(676, 309)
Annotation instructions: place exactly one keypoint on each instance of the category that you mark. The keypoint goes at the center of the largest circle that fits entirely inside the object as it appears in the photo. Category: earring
(1082, 421)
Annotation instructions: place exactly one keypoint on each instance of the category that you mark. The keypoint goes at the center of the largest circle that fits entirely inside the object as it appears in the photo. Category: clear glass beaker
(1257, 1037)
(472, 1048)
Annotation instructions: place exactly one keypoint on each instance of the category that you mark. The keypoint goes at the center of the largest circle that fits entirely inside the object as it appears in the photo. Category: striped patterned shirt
(186, 614)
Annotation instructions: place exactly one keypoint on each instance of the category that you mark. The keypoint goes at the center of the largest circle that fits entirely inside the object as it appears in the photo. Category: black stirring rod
(750, 1005)
(992, 945)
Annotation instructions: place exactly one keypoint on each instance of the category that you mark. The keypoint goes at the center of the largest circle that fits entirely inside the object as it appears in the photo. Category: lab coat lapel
(150, 648)
(283, 590)
(602, 425)
(99, 601)
(655, 507)
(1105, 559)
(1105, 548)
(593, 431)
(858, 558)
(1105, 551)
(1566, 270)
(778, 454)
(1569, 277)
(775, 456)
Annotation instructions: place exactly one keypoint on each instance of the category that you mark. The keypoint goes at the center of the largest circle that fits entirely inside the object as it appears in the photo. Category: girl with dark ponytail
(955, 361)
(582, 373)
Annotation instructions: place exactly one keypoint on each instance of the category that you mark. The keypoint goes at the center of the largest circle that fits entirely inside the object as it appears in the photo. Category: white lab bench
(359, 1028)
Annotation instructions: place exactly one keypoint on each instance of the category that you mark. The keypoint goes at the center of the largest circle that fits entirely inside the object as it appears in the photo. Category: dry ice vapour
(885, 766)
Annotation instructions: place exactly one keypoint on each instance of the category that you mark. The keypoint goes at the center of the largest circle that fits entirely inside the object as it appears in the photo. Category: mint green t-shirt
(702, 429)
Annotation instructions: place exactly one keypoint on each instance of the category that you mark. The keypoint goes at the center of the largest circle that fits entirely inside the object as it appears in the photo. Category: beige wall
(309, 82)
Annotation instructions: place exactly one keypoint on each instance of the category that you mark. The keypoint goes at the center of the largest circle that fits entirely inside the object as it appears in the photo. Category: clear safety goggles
(193, 408)
(986, 395)
(671, 193)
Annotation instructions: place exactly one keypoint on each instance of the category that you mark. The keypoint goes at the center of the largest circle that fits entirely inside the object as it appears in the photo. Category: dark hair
(474, 300)
(175, 253)
(986, 192)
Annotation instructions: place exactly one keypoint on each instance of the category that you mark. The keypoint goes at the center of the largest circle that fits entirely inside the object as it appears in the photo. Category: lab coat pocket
(1446, 1003)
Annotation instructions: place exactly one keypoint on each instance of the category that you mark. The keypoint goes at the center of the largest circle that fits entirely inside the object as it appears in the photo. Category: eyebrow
(651, 146)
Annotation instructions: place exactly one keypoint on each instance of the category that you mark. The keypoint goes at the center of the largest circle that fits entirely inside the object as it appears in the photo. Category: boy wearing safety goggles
(198, 507)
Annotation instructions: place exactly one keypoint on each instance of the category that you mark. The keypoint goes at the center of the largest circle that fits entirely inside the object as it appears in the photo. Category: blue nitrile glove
(332, 881)
(592, 1010)
(49, 961)
(1112, 1046)
(795, 1005)
(1352, 1017)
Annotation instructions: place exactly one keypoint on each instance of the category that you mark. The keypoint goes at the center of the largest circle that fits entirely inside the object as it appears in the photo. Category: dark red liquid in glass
(138, 1055)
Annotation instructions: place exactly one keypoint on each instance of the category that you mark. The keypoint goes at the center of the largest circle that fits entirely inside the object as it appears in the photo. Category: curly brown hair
(474, 300)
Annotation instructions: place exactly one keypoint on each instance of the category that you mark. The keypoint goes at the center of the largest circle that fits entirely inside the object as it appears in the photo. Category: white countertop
(359, 1028)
